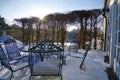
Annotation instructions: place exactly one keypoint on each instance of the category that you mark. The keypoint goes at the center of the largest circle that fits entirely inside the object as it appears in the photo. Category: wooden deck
(93, 69)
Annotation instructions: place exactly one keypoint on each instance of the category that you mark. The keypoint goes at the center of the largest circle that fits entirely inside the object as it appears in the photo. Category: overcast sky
(11, 9)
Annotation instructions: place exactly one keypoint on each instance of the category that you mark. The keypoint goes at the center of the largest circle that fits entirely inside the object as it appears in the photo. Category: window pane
(118, 56)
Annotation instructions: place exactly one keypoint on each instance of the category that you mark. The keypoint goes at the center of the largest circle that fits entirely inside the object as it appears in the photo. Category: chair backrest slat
(12, 50)
(3, 58)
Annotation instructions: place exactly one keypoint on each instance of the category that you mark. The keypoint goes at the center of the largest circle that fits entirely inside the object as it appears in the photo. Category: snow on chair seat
(45, 68)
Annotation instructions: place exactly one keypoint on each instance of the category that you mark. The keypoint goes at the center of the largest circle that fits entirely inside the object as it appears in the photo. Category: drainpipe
(103, 11)
(105, 30)
(106, 58)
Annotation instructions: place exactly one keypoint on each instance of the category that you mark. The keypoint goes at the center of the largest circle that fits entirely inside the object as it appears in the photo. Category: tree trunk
(95, 34)
(23, 35)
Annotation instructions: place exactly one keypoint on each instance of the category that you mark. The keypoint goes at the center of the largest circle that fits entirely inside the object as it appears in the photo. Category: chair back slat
(12, 50)
(3, 58)
(46, 46)
(13, 65)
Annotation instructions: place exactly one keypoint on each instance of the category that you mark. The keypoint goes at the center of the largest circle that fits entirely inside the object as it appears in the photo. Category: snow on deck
(93, 69)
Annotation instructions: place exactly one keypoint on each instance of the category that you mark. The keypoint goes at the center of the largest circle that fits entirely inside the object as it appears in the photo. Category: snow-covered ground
(93, 68)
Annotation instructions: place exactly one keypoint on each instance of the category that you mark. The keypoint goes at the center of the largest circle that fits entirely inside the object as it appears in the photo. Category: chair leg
(30, 77)
(61, 77)
(11, 76)
(69, 52)
(1, 68)
(65, 59)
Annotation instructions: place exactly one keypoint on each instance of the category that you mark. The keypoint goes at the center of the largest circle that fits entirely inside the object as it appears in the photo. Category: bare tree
(36, 23)
(22, 22)
(96, 14)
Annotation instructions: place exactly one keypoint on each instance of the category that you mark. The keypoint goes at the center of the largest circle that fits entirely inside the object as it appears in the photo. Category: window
(118, 55)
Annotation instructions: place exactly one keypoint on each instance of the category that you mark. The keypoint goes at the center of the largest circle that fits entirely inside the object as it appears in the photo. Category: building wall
(111, 2)
(110, 35)
(113, 34)
(117, 59)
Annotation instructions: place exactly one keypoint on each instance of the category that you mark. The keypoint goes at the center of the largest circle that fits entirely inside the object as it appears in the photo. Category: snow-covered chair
(73, 50)
(51, 60)
(73, 47)
(13, 51)
(13, 66)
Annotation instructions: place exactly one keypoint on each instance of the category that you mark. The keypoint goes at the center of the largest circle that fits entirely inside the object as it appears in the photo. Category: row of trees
(54, 27)
(3, 25)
